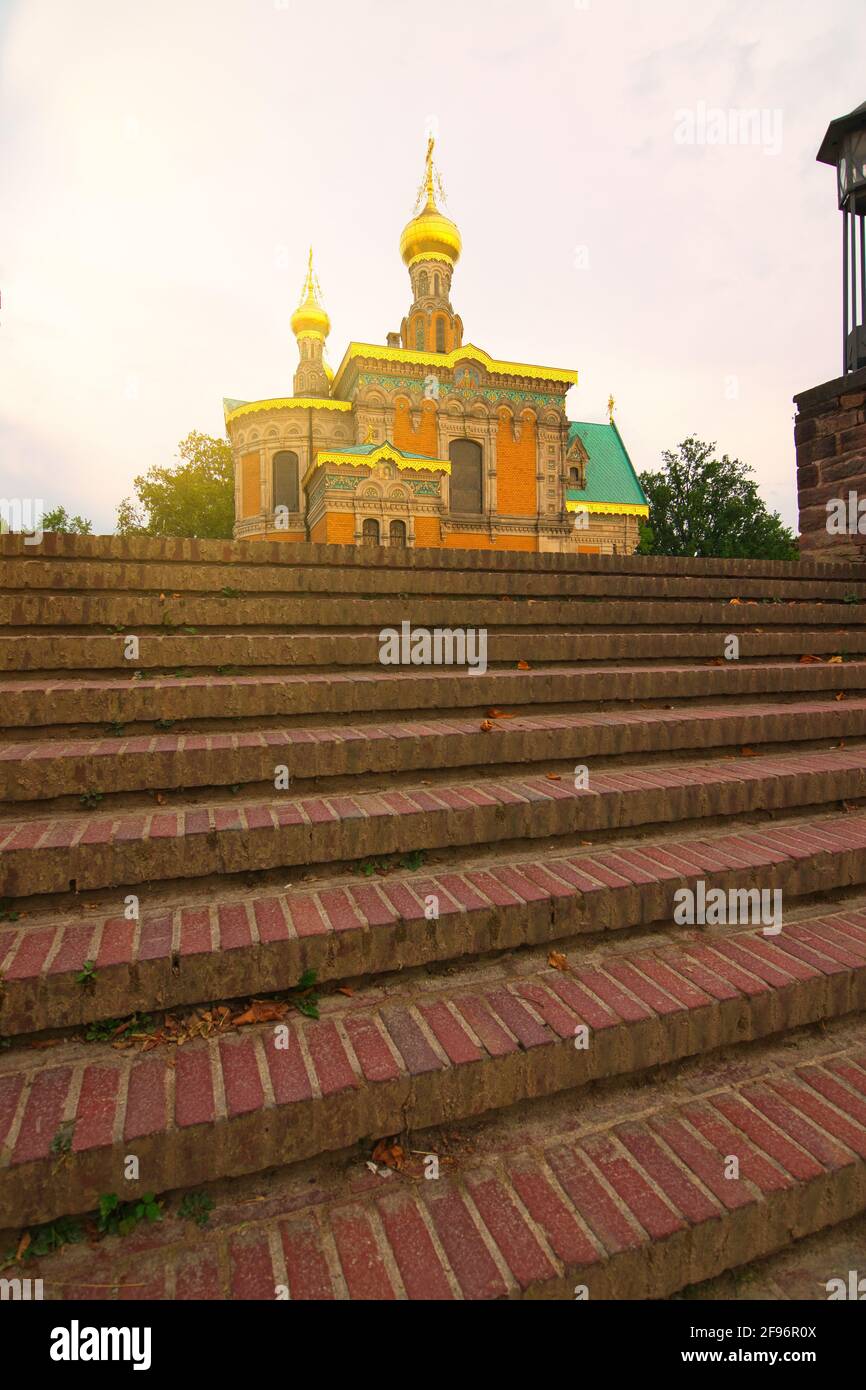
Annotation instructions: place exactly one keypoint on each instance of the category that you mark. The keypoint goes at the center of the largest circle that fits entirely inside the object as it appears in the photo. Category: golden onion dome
(431, 235)
(309, 319)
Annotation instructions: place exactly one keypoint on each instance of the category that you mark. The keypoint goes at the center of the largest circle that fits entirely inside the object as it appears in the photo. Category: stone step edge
(75, 702)
(337, 1080)
(92, 851)
(174, 579)
(47, 658)
(275, 554)
(345, 929)
(42, 609)
(66, 766)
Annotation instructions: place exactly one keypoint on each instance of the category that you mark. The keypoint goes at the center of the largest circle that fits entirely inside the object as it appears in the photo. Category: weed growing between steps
(113, 1030)
(389, 864)
(111, 1218)
(196, 1207)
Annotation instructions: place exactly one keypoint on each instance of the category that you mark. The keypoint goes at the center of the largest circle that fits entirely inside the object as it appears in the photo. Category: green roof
(610, 475)
(363, 449)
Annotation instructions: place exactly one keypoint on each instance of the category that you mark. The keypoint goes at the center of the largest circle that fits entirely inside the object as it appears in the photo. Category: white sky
(164, 166)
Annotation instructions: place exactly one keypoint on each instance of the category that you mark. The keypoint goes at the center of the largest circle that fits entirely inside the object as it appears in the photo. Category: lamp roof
(836, 132)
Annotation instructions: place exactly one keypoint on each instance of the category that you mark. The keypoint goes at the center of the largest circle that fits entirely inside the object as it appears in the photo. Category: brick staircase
(581, 1067)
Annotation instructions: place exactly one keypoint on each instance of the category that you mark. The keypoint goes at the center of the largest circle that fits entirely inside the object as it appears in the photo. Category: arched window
(370, 531)
(436, 285)
(419, 334)
(398, 534)
(285, 481)
(423, 284)
(440, 334)
(467, 491)
(574, 476)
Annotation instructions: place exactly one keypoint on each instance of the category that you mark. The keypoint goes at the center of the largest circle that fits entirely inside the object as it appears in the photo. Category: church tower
(311, 326)
(430, 247)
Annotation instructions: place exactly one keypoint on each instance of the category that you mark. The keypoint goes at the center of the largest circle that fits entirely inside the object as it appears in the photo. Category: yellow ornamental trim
(445, 361)
(386, 453)
(611, 508)
(291, 403)
(430, 256)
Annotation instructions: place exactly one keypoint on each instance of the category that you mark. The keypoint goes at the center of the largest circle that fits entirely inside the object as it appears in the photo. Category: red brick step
(121, 849)
(55, 767)
(621, 1203)
(268, 1094)
(262, 942)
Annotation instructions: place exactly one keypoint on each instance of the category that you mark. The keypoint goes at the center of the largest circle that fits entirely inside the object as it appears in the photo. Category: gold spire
(611, 406)
(430, 236)
(430, 173)
(309, 319)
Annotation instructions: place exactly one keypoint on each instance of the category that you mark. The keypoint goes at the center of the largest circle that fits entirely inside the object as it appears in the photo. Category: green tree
(59, 520)
(196, 498)
(704, 505)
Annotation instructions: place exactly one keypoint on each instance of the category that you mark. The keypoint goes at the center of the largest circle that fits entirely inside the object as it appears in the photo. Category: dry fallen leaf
(553, 777)
(347, 990)
(389, 1153)
(523, 666)
(736, 601)
(499, 714)
(486, 726)
(23, 1244)
(841, 695)
(557, 961)
(747, 752)
(810, 660)
(261, 1011)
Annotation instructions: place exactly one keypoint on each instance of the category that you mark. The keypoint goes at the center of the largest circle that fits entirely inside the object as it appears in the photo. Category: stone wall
(830, 435)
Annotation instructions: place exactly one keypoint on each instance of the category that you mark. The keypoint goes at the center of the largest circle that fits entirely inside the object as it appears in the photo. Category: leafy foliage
(59, 520)
(195, 498)
(704, 505)
(118, 1218)
(116, 1030)
(197, 1207)
(45, 1240)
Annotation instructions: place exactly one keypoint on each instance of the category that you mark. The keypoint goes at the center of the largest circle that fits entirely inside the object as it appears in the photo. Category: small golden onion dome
(309, 319)
(431, 235)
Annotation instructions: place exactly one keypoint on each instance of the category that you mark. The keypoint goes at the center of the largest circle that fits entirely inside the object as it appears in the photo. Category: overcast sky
(164, 166)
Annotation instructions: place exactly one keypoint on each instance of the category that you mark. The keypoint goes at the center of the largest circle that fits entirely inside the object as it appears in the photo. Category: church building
(427, 440)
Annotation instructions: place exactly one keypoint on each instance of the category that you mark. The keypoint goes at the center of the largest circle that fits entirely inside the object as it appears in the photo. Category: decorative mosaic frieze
(415, 389)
